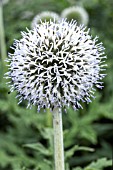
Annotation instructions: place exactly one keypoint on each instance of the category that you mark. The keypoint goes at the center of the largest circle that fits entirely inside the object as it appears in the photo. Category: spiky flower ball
(44, 16)
(77, 13)
(56, 65)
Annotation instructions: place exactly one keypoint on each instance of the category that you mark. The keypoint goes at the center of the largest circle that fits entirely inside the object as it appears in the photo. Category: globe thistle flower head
(56, 65)
(77, 13)
(45, 16)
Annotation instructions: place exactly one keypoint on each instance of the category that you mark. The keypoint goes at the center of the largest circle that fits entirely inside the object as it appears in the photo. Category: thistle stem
(58, 140)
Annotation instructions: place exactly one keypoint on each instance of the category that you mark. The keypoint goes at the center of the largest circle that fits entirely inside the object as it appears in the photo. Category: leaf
(70, 152)
(99, 164)
(77, 168)
(39, 147)
(89, 133)
(84, 148)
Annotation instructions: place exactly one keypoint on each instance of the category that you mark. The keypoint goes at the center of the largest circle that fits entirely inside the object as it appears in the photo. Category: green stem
(2, 37)
(58, 140)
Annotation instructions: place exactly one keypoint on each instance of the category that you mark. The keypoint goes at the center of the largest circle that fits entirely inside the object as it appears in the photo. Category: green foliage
(100, 164)
(26, 137)
(97, 165)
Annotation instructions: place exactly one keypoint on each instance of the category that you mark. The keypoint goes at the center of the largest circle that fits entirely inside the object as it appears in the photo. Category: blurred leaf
(71, 151)
(99, 164)
(39, 147)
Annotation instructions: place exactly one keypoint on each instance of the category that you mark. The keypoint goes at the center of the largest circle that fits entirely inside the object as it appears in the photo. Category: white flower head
(44, 16)
(56, 65)
(77, 13)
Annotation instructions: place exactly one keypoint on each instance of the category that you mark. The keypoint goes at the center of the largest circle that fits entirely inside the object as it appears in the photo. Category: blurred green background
(26, 137)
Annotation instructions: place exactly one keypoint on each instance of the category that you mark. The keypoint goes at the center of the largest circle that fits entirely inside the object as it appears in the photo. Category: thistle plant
(77, 13)
(56, 65)
(44, 16)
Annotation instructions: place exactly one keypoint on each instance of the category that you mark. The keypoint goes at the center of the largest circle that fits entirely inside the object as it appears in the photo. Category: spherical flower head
(77, 13)
(56, 65)
(44, 16)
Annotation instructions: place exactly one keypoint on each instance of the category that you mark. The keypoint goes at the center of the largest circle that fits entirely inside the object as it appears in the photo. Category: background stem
(2, 38)
(58, 140)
